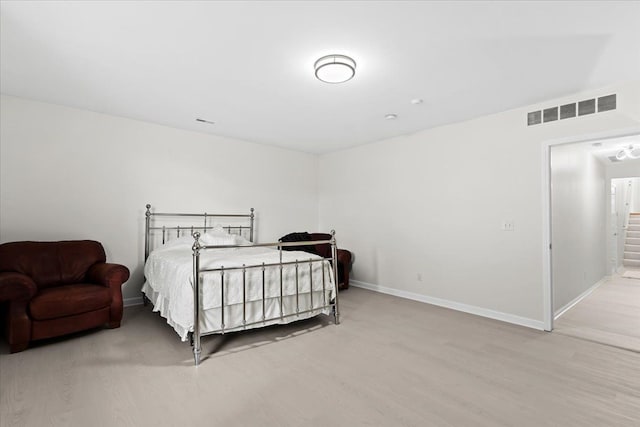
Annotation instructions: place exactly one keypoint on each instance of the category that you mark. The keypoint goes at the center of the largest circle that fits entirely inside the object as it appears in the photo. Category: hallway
(609, 315)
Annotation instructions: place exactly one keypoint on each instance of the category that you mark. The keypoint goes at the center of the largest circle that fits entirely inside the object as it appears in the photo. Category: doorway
(590, 202)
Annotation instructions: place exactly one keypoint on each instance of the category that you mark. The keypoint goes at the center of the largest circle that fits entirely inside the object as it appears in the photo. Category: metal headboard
(206, 225)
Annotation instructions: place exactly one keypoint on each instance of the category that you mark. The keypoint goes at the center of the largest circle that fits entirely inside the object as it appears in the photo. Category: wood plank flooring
(392, 362)
(609, 315)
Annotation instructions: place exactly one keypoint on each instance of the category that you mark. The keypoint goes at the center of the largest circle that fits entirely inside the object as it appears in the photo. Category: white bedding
(169, 285)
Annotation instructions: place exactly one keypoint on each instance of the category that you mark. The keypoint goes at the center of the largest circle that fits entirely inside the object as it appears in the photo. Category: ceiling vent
(574, 109)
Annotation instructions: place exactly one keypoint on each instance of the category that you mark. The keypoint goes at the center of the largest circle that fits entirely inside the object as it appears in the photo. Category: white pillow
(186, 241)
(214, 239)
(240, 240)
(217, 230)
(220, 236)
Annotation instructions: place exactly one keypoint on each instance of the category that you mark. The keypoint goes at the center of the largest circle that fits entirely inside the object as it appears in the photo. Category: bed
(207, 278)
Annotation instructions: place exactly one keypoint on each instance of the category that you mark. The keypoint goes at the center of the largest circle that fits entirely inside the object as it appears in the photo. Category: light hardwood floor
(609, 315)
(392, 362)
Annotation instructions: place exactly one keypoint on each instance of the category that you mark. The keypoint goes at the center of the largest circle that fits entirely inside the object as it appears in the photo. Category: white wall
(578, 222)
(432, 203)
(634, 200)
(625, 169)
(74, 174)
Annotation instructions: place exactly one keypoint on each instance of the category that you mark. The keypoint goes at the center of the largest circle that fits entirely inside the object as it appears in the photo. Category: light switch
(507, 225)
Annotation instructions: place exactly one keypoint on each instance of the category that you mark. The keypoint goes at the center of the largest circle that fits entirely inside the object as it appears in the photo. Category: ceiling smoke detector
(335, 68)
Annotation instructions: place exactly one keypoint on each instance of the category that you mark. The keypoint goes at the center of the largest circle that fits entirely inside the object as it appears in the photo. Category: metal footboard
(321, 305)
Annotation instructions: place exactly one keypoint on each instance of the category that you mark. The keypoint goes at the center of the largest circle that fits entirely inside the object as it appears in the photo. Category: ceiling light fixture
(629, 152)
(417, 101)
(391, 116)
(335, 68)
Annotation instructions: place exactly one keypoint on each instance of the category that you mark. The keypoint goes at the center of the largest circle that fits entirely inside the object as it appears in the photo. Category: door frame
(547, 282)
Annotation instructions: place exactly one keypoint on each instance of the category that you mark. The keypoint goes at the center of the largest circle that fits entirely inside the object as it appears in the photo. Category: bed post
(281, 283)
(147, 217)
(147, 220)
(196, 298)
(334, 257)
(251, 229)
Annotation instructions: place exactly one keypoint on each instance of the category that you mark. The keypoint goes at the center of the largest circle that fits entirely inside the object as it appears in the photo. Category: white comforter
(169, 280)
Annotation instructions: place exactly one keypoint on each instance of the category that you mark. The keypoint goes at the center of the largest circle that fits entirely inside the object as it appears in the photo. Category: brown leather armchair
(49, 289)
(324, 250)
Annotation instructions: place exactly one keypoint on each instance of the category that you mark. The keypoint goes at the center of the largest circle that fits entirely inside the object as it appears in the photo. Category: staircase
(632, 242)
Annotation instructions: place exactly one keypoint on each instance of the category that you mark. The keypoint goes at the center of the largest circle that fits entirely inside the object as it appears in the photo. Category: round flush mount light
(629, 152)
(335, 68)
(391, 117)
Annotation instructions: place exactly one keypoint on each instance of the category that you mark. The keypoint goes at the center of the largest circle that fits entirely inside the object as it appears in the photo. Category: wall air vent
(534, 118)
(567, 111)
(574, 109)
(606, 103)
(586, 107)
(550, 114)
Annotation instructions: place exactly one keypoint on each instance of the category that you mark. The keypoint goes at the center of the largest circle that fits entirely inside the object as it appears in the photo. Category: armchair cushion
(67, 300)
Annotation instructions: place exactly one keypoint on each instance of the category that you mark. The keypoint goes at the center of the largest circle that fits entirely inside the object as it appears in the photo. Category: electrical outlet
(508, 225)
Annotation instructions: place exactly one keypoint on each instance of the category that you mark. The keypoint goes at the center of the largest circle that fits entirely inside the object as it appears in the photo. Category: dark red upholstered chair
(324, 250)
(49, 289)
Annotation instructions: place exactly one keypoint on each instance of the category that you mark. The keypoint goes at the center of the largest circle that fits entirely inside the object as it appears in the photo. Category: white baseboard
(129, 302)
(579, 298)
(471, 309)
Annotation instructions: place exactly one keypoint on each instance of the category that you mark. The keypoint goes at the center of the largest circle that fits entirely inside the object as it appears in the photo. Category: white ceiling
(248, 66)
(603, 149)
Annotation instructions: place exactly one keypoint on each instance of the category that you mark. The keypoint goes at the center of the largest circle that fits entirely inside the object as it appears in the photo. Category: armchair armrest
(112, 276)
(108, 274)
(16, 286)
(17, 289)
(344, 265)
(344, 257)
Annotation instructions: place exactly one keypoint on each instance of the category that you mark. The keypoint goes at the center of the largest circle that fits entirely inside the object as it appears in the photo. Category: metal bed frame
(197, 248)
